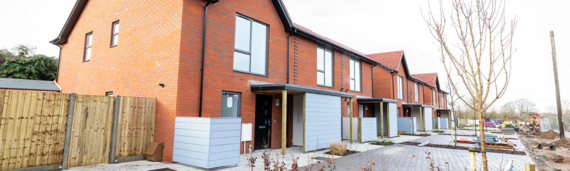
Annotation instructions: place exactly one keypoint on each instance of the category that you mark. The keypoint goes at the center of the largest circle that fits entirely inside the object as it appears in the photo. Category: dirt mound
(561, 143)
(566, 160)
(557, 159)
(548, 135)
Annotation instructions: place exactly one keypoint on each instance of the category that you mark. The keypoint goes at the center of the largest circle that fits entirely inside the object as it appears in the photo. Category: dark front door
(262, 121)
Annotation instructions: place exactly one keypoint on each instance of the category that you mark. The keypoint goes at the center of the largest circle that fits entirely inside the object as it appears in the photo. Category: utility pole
(558, 103)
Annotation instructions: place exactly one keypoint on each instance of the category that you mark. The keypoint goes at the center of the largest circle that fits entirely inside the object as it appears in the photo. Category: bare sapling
(477, 52)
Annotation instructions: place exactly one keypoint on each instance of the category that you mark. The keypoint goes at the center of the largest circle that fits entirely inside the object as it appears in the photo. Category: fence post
(68, 131)
(116, 108)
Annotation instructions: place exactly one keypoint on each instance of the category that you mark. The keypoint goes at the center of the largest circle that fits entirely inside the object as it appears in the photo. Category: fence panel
(136, 126)
(32, 128)
(91, 136)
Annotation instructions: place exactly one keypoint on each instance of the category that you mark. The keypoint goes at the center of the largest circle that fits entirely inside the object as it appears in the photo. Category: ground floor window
(231, 104)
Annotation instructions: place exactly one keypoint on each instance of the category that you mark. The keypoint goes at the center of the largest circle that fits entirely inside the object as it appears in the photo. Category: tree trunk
(482, 131)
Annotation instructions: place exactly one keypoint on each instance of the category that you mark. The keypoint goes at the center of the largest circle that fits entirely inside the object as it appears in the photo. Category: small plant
(438, 131)
(401, 132)
(382, 142)
(338, 148)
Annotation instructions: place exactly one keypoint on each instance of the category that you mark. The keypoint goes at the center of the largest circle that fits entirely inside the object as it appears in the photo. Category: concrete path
(395, 157)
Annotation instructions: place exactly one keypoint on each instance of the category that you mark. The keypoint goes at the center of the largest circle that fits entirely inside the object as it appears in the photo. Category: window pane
(89, 39)
(352, 84)
(351, 65)
(328, 68)
(320, 78)
(357, 75)
(230, 105)
(115, 39)
(242, 34)
(241, 61)
(87, 54)
(116, 28)
(320, 59)
(258, 48)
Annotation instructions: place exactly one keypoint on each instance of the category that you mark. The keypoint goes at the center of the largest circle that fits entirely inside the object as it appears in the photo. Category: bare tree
(480, 54)
(453, 97)
(509, 110)
(524, 107)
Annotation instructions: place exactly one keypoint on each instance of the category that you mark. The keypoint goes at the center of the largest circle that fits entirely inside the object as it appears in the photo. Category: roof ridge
(386, 52)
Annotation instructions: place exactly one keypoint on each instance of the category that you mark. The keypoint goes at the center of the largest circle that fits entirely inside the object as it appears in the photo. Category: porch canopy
(426, 123)
(386, 116)
(321, 113)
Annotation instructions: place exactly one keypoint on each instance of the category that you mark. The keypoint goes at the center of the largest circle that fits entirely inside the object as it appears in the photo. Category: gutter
(204, 54)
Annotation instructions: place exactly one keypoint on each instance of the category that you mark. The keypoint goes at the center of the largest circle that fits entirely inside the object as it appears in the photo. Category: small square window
(231, 104)
(109, 93)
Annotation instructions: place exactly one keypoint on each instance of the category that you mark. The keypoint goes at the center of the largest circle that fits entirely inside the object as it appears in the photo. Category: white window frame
(115, 34)
(400, 87)
(250, 52)
(88, 44)
(355, 76)
(327, 70)
(417, 92)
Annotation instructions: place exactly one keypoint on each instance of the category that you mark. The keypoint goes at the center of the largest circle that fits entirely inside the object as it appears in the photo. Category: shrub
(438, 131)
(401, 132)
(382, 142)
(338, 148)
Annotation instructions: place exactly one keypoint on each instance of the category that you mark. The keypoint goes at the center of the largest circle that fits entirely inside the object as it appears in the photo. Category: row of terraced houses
(244, 60)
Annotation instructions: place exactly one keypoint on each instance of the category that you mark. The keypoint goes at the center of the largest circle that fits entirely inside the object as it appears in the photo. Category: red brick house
(211, 58)
(415, 95)
(438, 96)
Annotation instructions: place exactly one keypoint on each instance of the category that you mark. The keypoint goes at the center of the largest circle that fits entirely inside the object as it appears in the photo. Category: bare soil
(348, 152)
(488, 149)
(547, 135)
(559, 158)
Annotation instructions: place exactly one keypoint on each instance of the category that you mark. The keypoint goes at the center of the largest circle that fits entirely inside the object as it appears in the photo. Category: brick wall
(146, 55)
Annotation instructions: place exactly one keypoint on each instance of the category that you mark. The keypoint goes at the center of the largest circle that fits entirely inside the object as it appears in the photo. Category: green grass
(382, 142)
(438, 131)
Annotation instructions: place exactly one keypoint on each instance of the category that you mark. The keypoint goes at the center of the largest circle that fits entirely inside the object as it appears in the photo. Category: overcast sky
(370, 26)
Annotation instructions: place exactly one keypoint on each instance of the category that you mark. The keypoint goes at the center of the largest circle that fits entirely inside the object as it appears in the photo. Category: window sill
(86, 61)
(245, 72)
(112, 46)
(325, 86)
(356, 91)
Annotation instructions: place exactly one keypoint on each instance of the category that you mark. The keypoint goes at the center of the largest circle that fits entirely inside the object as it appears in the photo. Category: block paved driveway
(399, 157)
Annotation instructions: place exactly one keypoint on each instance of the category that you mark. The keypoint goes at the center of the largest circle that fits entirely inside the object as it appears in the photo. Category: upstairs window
(354, 75)
(250, 50)
(324, 67)
(417, 93)
(115, 34)
(442, 100)
(400, 87)
(87, 51)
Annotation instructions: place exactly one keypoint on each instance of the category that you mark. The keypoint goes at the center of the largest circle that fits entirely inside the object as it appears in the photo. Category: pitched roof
(429, 78)
(322, 39)
(391, 60)
(23, 84)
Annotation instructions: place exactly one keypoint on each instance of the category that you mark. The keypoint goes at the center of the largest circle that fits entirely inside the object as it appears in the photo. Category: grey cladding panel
(322, 121)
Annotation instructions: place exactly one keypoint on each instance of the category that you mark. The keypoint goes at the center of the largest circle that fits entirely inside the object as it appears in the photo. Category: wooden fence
(91, 134)
(34, 130)
(136, 126)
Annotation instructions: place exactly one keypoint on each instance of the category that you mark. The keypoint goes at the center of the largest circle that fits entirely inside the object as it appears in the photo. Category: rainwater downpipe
(204, 53)
(58, 64)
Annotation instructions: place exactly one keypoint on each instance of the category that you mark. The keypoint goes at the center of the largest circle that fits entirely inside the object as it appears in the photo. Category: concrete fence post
(116, 109)
(68, 131)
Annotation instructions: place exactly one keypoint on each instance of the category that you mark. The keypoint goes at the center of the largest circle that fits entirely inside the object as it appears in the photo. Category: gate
(91, 130)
